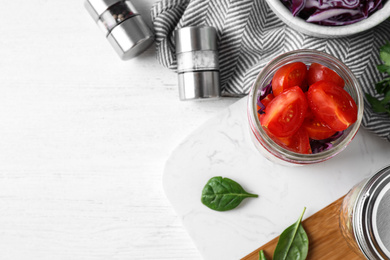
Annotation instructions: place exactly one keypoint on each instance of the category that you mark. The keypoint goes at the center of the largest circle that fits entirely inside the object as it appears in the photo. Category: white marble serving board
(222, 147)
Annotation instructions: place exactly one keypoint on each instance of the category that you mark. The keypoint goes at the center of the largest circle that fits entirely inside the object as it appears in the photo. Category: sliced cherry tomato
(299, 142)
(332, 105)
(285, 113)
(265, 101)
(318, 72)
(290, 75)
(316, 129)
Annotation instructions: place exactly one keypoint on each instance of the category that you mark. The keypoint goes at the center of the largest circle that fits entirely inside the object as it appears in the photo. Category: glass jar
(364, 217)
(265, 144)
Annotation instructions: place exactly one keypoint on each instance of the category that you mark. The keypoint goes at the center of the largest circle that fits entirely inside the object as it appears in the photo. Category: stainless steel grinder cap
(197, 62)
(122, 25)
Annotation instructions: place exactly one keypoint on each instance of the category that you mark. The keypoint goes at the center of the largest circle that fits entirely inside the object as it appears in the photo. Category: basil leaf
(384, 53)
(376, 104)
(293, 243)
(386, 99)
(262, 255)
(381, 106)
(384, 68)
(383, 86)
(223, 194)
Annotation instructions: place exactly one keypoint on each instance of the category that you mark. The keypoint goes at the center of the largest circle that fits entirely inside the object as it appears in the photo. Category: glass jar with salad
(304, 107)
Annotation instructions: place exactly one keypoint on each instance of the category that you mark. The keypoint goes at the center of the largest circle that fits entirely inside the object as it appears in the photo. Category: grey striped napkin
(250, 34)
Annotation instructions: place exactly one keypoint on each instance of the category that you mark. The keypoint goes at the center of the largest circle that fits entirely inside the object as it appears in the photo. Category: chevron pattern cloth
(250, 35)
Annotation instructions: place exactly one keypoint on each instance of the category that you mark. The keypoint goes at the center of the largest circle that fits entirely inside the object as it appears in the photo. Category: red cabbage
(297, 6)
(263, 93)
(333, 12)
(325, 144)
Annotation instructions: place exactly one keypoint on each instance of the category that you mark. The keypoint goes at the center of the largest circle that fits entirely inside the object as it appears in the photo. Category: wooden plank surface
(325, 239)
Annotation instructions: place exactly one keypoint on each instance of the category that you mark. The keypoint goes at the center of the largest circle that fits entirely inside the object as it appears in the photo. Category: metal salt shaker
(197, 62)
(123, 26)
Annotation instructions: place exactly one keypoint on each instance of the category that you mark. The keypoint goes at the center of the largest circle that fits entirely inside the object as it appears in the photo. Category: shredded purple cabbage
(318, 146)
(333, 12)
(263, 93)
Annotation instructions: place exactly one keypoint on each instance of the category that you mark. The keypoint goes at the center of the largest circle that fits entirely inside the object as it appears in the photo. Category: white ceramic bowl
(328, 31)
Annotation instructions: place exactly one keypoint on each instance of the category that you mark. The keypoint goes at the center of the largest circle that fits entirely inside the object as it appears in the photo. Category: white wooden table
(83, 140)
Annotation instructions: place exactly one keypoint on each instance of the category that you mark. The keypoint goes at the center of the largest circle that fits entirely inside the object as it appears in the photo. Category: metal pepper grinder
(197, 62)
(122, 25)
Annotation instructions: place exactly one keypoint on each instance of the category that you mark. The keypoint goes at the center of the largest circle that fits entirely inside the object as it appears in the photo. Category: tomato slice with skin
(299, 142)
(318, 72)
(316, 129)
(290, 75)
(332, 105)
(285, 113)
(265, 101)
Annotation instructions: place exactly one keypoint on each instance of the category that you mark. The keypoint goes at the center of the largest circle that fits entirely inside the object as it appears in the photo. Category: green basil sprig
(223, 194)
(382, 105)
(293, 243)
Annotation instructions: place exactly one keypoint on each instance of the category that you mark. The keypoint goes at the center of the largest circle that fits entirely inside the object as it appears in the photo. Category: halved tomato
(265, 101)
(318, 72)
(285, 113)
(316, 129)
(332, 105)
(290, 75)
(299, 142)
